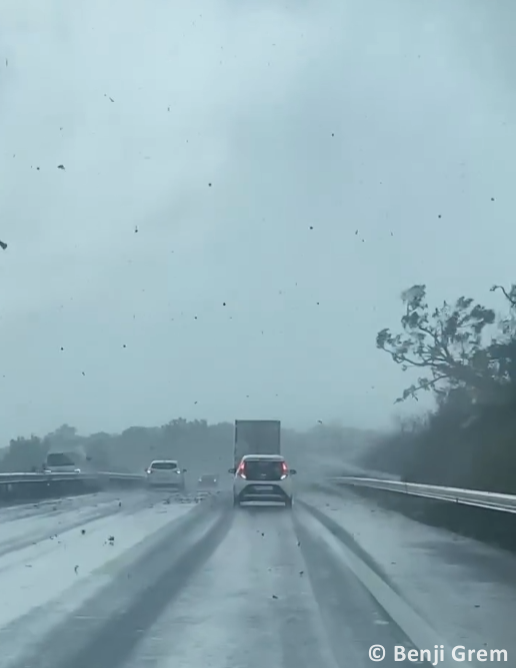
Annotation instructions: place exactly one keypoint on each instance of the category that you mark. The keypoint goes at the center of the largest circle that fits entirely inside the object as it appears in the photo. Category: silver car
(166, 473)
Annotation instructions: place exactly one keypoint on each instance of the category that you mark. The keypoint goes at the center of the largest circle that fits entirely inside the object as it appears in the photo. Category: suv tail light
(241, 470)
(284, 470)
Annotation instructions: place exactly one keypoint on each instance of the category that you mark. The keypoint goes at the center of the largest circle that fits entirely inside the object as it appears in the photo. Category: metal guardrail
(18, 478)
(354, 471)
(19, 486)
(136, 477)
(469, 497)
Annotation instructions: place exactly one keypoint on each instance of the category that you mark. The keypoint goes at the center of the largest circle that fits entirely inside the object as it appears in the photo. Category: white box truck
(256, 437)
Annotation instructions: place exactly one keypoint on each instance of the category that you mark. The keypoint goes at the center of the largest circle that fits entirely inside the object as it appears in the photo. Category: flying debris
(415, 292)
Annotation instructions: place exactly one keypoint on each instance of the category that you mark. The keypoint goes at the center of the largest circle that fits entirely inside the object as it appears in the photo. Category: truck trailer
(256, 437)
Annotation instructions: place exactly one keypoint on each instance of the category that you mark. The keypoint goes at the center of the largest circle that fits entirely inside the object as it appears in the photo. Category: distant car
(166, 473)
(60, 462)
(263, 478)
(208, 481)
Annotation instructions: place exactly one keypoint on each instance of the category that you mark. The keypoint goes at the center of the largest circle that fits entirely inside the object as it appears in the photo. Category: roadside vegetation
(194, 443)
(461, 353)
(128, 452)
(464, 354)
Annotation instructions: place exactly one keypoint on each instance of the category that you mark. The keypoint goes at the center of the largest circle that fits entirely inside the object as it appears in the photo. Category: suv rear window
(259, 469)
(163, 466)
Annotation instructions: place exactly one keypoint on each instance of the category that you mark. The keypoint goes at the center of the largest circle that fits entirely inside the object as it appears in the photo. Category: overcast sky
(246, 142)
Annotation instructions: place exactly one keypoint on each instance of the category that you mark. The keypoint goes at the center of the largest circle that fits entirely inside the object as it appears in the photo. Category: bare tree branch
(510, 296)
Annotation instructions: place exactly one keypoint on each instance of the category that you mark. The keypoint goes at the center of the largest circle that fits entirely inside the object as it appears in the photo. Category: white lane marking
(40, 524)
(418, 630)
(54, 585)
(237, 609)
(466, 588)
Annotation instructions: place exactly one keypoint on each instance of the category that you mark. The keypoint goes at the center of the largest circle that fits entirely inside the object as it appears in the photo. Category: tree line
(130, 451)
(199, 446)
(462, 353)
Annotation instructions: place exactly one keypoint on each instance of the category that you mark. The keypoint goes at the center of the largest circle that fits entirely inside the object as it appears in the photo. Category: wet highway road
(158, 581)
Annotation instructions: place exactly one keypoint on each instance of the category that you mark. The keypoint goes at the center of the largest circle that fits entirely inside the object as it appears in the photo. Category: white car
(263, 478)
(166, 473)
(60, 462)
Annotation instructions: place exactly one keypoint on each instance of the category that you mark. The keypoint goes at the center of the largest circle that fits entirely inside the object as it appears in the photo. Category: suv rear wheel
(288, 503)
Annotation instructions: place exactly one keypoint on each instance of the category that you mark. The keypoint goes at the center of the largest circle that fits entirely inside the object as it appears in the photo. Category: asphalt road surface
(154, 580)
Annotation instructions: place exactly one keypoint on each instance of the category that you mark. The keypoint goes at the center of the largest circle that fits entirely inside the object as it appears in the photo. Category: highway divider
(486, 516)
(28, 486)
(469, 497)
